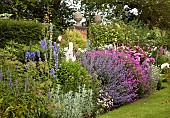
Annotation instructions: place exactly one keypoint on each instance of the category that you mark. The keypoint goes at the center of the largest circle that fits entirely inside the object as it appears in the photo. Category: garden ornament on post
(97, 19)
(78, 17)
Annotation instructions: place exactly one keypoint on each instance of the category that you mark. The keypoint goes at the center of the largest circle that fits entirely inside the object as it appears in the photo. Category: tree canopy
(152, 12)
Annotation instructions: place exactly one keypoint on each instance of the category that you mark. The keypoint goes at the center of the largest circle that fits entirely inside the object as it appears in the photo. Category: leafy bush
(75, 37)
(23, 95)
(71, 75)
(130, 34)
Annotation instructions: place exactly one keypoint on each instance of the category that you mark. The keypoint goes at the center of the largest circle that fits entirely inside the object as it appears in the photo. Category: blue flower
(56, 62)
(32, 55)
(38, 53)
(1, 74)
(9, 73)
(28, 55)
(56, 48)
(49, 96)
(52, 72)
(27, 66)
(10, 82)
(43, 44)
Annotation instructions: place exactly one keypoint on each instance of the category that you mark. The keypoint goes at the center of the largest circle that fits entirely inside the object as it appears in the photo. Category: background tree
(152, 12)
(58, 11)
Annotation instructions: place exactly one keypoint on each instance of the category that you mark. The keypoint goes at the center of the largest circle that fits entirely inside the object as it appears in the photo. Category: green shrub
(71, 75)
(20, 31)
(130, 34)
(22, 93)
(75, 37)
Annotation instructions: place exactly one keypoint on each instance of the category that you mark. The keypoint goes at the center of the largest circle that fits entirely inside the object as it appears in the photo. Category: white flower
(70, 46)
(165, 65)
(59, 38)
(110, 46)
(73, 58)
(65, 49)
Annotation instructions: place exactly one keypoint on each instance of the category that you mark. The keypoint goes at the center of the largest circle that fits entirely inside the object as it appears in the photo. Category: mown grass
(154, 106)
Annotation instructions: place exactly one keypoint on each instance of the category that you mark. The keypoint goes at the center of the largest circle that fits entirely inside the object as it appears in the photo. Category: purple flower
(32, 55)
(50, 44)
(9, 73)
(52, 72)
(49, 96)
(56, 62)
(28, 55)
(27, 66)
(161, 50)
(56, 48)
(55, 45)
(38, 53)
(16, 83)
(1, 74)
(43, 44)
(10, 82)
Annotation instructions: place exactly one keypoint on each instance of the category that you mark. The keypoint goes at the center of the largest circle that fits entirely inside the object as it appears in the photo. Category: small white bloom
(65, 49)
(110, 46)
(59, 38)
(126, 6)
(70, 46)
(73, 58)
(155, 49)
(165, 65)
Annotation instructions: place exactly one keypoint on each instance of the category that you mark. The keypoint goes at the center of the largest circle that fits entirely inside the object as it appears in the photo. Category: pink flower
(152, 60)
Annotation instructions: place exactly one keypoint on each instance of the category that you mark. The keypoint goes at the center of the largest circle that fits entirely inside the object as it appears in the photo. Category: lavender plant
(122, 72)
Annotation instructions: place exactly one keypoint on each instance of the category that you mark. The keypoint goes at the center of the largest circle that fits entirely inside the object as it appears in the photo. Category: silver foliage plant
(155, 75)
(74, 104)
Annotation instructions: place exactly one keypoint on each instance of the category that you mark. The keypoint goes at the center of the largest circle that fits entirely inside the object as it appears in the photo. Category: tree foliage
(58, 11)
(152, 12)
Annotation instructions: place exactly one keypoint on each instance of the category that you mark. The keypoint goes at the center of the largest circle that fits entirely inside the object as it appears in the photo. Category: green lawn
(154, 106)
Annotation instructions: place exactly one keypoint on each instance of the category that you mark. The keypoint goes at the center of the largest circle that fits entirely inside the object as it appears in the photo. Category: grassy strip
(154, 106)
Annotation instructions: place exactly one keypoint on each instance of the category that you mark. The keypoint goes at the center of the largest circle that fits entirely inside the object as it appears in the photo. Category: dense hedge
(20, 31)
